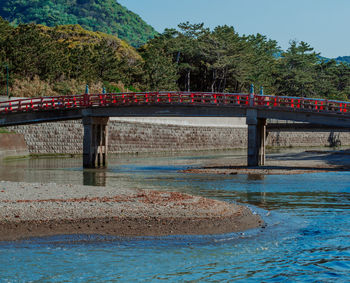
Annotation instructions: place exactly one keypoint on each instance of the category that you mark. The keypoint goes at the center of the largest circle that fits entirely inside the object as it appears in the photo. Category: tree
(333, 80)
(160, 72)
(185, 49)
(296, 71)
(228, 65)
(263, 61)
(326, 83)
(32, 53)
(105, 61)
(80, 63)
(5, 29)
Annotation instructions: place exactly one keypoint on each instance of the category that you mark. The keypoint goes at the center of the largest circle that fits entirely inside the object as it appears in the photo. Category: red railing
(304, 104)
(178, 98)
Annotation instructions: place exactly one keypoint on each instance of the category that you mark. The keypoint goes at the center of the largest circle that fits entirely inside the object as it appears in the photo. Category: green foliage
(63, 59)
(32, 53)
(106, 16)
(6, 131)
(5, 29)
(222, 60)
(218, 60)
(300, 73)
(263, 61)
(160, 72)
(296, 71)
(228, 67)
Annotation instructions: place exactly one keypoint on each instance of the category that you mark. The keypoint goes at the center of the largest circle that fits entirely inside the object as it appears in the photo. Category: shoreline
(35, 210)
(263, 170)
(311, 161)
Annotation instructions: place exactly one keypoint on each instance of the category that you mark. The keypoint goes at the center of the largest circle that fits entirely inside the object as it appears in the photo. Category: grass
(18, 157)
(38, 156)
(6, 131)
(52, 155)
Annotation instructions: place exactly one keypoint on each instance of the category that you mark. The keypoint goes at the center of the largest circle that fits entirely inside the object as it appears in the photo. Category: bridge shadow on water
(331, 160)
(309, 161)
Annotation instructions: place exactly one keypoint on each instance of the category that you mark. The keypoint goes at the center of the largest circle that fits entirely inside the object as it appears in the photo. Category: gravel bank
(28, 210)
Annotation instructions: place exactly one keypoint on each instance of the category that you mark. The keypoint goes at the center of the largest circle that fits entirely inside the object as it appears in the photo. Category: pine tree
(296, 71)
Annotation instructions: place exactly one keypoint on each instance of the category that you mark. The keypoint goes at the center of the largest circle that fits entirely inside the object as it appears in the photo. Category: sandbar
(35, 210)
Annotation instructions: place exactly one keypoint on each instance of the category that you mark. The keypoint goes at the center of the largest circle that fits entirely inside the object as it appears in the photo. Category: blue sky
(324, 24)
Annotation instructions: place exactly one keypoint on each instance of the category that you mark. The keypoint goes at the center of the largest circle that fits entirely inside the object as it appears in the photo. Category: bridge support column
(256, 138)
(95, 142)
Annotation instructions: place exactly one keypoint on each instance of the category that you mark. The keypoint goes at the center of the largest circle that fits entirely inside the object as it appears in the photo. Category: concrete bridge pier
(256, 139)
(95, 142)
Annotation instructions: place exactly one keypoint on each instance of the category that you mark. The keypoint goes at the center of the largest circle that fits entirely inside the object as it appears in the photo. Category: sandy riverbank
(311, 161)
(28, 210)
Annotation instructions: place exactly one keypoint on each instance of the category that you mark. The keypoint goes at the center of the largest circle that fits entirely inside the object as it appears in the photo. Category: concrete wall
(150, 136)
(12, 145)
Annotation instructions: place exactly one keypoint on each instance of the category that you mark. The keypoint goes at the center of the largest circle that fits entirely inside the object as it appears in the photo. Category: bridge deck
(96, 108)
(158, 104)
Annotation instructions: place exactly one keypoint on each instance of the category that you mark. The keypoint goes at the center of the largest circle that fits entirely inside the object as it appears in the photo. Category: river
(307, 237)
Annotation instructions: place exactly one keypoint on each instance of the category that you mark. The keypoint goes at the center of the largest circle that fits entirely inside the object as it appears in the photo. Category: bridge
(95, 110)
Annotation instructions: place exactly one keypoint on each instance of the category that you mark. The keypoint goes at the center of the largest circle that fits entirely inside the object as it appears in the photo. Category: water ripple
(307, 237)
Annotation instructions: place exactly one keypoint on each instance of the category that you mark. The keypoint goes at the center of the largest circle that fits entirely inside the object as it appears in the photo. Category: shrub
(26, 87)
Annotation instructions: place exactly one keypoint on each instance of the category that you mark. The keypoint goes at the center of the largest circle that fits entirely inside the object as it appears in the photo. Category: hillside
(106, 16)
(74, 36)
(62, 60)
(338, 60)
(343, 59)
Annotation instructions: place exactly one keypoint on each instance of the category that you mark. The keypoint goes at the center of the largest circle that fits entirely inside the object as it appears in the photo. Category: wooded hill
(61, 60)
(106, 16)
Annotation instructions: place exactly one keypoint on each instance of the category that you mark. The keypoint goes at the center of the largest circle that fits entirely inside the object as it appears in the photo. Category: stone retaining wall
(301, 138)
(67, 137)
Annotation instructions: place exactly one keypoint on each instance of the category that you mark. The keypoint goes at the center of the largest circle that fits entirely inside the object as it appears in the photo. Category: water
(307, 237)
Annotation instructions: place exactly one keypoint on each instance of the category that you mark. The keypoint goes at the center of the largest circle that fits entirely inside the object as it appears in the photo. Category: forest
(61, 60)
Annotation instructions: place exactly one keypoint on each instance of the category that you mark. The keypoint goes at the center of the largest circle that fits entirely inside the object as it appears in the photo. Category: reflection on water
(95, 177)
(255, 177)
(307, 237)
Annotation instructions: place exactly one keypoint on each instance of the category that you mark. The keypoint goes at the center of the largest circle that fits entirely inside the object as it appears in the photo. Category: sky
(324, 24)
